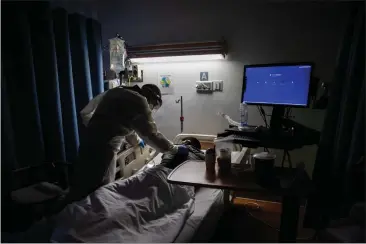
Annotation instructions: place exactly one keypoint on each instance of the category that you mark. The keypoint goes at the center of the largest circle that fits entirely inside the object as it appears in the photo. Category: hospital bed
(209, 203)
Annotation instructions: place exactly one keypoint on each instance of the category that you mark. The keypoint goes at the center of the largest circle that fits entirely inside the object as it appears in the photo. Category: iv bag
(117, 54)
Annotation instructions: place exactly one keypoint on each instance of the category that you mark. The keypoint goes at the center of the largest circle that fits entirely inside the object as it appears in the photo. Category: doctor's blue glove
(183, 150)
(141, 143)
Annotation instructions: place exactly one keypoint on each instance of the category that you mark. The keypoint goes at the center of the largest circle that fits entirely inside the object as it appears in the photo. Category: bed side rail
(133, 159)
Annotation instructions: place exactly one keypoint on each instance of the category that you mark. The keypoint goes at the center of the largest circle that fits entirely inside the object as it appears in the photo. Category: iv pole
(181, 113)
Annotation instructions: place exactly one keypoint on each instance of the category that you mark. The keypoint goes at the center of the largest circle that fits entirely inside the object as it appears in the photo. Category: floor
(236, 226)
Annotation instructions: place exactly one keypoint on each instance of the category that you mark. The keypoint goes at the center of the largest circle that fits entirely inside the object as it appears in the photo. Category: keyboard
(237, 138)
(249, 131)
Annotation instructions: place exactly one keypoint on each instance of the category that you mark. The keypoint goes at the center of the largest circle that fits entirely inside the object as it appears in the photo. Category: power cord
(288, 114)
(252, 206)
(256, 207)
(286, 153)
(249, 206)
(262, 114)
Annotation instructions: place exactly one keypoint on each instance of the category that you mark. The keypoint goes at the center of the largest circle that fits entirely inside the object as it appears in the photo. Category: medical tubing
(227, 117)
(243, 114)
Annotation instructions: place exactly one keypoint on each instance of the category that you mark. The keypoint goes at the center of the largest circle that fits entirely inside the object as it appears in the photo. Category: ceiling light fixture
(188, 58)
(178, 52)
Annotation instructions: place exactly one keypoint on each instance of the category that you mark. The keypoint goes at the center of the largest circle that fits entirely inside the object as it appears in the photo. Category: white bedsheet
(156, 211)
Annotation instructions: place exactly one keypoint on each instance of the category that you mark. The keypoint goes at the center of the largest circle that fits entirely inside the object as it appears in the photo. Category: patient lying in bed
(142, 208)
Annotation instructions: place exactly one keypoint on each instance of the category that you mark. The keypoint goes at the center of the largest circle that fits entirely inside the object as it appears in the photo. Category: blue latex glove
(183, 150)
(141, 143)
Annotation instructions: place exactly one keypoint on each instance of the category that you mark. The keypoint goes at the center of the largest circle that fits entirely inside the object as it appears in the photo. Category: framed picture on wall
(166, 83)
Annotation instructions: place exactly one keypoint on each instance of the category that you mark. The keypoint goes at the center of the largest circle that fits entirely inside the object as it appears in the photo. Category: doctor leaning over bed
(109, 118)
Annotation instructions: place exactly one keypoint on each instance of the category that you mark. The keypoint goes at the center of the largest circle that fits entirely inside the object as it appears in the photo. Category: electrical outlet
(218, 85)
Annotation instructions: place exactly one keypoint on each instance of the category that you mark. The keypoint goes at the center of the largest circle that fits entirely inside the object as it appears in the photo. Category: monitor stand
(278, 112)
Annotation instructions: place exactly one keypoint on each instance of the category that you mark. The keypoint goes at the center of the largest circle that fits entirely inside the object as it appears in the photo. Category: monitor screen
(277, 84)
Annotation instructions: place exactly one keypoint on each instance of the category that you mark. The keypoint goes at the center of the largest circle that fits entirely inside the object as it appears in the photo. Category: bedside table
(193, 173)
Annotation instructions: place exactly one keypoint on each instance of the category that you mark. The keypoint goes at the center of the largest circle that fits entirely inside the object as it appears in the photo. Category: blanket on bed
(143, 208)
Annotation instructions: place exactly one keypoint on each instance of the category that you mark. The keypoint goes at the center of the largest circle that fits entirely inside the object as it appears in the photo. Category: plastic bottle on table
(243, 114)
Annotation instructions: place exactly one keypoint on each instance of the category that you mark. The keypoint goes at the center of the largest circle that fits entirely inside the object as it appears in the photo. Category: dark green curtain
(51, 68)
(342, 143)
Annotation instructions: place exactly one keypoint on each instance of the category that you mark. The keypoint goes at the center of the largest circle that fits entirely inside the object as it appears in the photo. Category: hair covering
(152, 94)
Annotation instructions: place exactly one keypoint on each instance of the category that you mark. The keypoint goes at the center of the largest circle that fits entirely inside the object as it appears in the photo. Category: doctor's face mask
(153, 96)
(155, 107)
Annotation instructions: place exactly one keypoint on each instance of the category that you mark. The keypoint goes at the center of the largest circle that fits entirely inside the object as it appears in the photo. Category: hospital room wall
(200, 110)
(256, 31)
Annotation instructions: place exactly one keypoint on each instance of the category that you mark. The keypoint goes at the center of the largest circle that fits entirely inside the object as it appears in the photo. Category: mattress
(201, 225)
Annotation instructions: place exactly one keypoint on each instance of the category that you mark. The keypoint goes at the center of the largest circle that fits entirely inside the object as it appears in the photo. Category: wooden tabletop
(193, 173)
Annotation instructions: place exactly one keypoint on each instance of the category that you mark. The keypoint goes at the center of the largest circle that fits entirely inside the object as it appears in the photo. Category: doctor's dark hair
(152, 93)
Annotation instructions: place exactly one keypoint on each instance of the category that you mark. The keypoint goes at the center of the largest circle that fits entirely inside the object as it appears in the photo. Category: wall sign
(165, 83)
(203, 76)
